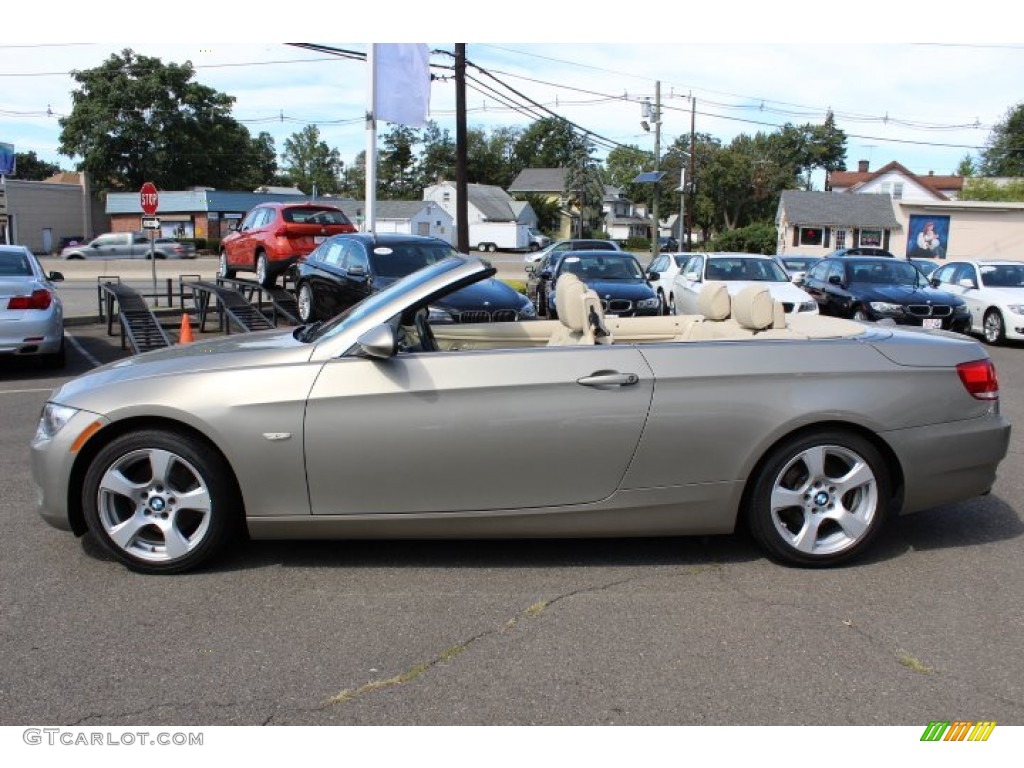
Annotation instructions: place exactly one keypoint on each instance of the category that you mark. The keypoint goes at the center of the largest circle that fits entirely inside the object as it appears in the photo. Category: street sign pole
(149, 199)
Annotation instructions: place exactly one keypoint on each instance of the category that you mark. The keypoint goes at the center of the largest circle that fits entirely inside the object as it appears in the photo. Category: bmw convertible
(809, 431)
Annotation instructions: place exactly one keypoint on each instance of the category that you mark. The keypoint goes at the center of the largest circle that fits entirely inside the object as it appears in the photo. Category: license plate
(317, 239)
(932, 322)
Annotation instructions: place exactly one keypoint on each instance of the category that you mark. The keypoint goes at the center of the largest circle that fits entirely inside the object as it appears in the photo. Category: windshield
(601, 267)
(739, 268)
(401, 259)
(888, 272)
(375, 301)
(1003, 275)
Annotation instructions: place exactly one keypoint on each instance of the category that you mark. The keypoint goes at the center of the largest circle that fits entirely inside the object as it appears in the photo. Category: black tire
(860, 314)
(542, 304)
(662, 304)
(58, 359)
(482, 247)
(534, 247)
(307, 306)
(191, 493)
(491, 247)
(993, 327)
(819, 499)
(223, 270)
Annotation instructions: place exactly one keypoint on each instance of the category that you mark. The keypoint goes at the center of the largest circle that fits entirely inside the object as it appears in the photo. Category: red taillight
(40, 299)
(979, 378)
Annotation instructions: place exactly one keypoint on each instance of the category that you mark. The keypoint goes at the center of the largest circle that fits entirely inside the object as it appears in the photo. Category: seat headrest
(754, 308)
(569, 291)
(713, 301)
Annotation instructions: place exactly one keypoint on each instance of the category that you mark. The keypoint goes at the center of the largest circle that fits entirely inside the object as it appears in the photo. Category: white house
(407, 217)
(485, 203)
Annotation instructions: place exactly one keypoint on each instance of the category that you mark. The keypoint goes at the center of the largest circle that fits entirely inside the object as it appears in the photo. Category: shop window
(811, 235)
(871, 237)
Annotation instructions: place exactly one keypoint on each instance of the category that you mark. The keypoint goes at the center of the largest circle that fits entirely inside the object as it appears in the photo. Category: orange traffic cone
(185, 336)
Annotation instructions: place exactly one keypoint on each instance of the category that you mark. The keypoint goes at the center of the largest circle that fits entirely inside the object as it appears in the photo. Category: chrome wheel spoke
(814, 460)
(806, 539)
(175, 543)
(161, 462)
(116, 483)
(123, 534)
(198, 500)
(854, 524)
(784, 498)
(858, 477)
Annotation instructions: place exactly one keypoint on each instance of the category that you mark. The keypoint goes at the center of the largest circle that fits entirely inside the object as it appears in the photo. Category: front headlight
(885, 308)
(52, 420)
(528, 310)
(961, 309)
(648, 303)
(808, 306)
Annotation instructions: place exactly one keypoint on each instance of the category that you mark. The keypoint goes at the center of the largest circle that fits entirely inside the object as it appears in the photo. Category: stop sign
(149, 198)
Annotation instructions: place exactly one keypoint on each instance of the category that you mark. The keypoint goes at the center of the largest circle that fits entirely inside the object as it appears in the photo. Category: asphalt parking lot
(682, 631)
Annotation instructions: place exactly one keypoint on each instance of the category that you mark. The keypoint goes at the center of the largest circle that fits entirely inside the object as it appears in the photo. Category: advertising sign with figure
(927, 237)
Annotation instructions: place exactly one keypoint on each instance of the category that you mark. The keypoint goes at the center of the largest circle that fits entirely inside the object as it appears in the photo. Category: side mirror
(835, 280)
(233, 226)
(545, 274)
(967, 283)
(653, 275)
(692, 276)
(56, 276)
(378, 343)
(357, 270)
(530, 269)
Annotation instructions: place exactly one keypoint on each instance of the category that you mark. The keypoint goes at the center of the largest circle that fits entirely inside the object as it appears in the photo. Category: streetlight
(653, 114)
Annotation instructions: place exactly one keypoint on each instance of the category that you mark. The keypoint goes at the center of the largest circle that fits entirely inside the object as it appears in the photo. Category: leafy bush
(642, 244)
(759, 238)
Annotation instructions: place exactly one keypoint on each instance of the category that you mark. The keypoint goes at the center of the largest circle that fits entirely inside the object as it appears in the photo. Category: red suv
(273, 236)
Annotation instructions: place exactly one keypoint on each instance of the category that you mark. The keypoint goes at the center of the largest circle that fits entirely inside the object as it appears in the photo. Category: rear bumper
(946, 463)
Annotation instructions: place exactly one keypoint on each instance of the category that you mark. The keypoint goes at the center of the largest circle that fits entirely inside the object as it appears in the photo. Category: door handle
(607, 379)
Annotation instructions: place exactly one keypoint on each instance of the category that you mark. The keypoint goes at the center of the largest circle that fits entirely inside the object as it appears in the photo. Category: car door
(240, 249)
(686, 286)
(483, 430)
(140, 247)
(962, 279)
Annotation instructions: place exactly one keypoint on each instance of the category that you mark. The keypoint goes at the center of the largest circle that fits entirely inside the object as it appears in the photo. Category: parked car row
(130, 245)
(31, 312)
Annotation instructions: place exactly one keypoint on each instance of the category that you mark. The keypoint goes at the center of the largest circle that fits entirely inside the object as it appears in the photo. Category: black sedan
(883, 288)
(345, 269)
(616, 277)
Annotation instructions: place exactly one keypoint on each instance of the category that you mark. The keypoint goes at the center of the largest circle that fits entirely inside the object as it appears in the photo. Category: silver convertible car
(810, 430)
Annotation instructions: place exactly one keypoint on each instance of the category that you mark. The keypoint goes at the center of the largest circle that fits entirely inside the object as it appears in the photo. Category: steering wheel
(426, 334)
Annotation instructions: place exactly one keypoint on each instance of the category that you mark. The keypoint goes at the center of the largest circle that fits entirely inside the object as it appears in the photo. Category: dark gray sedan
(810, 431)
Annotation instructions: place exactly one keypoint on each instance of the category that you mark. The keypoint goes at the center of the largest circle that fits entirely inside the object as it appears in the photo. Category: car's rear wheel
(819, 498)
(861, 315)
(662, 304)
(223, 270)
(482, 247)
(673, 309)
(57, 359)
(160, 501)
(263, 275)
(993, 327)
(307, 309)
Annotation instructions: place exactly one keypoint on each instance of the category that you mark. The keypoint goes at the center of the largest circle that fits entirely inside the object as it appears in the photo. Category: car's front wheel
(819, 498)
(307, 309)
(993, 327)
(160, 501)
(860, 315)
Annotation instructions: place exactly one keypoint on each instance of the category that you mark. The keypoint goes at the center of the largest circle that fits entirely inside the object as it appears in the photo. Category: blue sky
(925, 104)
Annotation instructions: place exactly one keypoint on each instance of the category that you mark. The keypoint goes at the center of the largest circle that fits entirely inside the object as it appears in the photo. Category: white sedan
(737, 271)
(994, 293)
(666, 266)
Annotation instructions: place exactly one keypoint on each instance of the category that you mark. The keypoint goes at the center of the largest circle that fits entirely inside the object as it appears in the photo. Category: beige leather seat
(580, 313)
(715, 304)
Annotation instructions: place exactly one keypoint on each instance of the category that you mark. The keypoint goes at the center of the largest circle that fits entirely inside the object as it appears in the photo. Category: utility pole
(693, 155)
(461, 174)
(656, 119)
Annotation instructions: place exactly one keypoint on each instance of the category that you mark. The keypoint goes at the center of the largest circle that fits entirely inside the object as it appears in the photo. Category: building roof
(539, 180)
(396, 210)
(836, 210)
(205, 200)
(937, 185)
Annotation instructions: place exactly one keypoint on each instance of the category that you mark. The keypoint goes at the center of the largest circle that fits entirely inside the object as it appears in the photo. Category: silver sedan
(809, 431)
(31, 313)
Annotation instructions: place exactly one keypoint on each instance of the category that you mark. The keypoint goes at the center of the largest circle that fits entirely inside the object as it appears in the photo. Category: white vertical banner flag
(402, 83)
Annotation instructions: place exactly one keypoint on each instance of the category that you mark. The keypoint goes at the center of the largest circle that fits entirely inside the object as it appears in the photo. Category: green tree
(396, 167)
(550, 142)
(310, 164)
(967, 166)
(437, 161)
(1004, 153)
(585, 188)
(623, 164)
(991, 191)
(261, 165)
(29, 167)
(136, 119)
